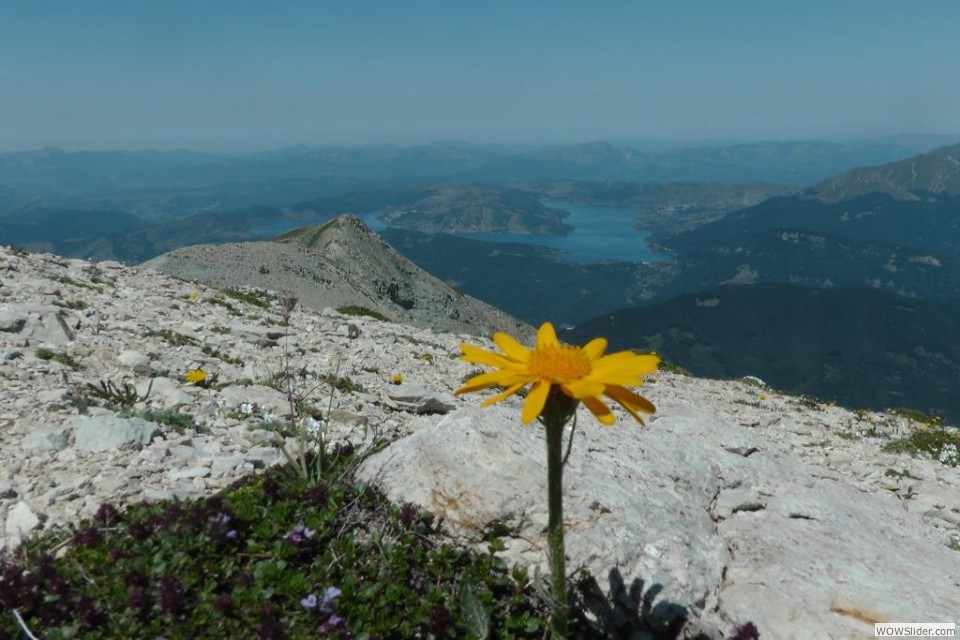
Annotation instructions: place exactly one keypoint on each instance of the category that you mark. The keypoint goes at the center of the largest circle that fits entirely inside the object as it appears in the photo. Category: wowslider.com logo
(915, 630)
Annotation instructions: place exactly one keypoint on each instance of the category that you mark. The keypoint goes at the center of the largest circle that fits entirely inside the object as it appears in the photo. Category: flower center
(559, 364)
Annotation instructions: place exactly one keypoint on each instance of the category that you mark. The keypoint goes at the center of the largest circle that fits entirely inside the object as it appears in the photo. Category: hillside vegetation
(858, 347)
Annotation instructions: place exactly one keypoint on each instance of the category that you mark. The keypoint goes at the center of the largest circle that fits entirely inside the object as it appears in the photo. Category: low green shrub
(354, 310)
(941, 444)
(267, 558)
(256, 298)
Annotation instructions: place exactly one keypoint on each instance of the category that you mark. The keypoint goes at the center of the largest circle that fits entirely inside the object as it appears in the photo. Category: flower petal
(546, 336)
(477, 355)
(585, 388)
(512, 389)
(536, 400)
(511, 348)
(595, 348)
(600, 410)
(492, 379)
(623, 364)
(630, 401)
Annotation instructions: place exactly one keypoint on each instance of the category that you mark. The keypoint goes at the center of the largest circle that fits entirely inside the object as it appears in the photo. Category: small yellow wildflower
(194, 296)
(762, 396)
(397, 378)
(196, 376)
(581, 373)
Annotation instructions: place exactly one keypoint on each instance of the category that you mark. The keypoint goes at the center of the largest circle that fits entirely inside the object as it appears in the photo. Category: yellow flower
(582, 373)
(194, 296)
(397, 378)
(196, 376)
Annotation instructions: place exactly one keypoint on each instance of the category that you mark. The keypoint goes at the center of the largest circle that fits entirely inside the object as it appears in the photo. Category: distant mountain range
(859, 347)
(157, 184)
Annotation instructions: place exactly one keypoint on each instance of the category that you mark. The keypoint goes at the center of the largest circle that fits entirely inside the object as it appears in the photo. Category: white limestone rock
(52, 439)
(106, 433)
(135, 360)
(22, 520)
(416, 397)
(645, 501)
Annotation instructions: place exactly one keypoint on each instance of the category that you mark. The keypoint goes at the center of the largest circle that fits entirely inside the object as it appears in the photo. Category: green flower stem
(556, 413)
(558, 569)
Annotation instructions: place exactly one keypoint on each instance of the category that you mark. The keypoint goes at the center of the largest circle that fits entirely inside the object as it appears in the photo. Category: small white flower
(313, 426)
(246, 408)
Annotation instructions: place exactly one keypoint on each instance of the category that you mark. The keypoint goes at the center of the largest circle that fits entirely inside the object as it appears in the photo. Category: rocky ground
(340, 263)
(735, 503)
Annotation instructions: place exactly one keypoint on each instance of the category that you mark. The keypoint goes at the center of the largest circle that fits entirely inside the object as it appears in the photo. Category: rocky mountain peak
(341, 263)
(733, 503)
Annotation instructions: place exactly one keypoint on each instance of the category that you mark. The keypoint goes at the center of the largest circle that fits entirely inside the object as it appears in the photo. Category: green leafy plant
(256, 298)
(48, 354)
(342, 383)
(937, 442)
(354, 310)
(123, 395)
(174, 338)
(179, 422)
(220, 355)
(219, 301)
(76, 305)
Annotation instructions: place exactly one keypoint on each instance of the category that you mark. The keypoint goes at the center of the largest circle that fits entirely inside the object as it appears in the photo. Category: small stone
(418, 398)
(23, 520)
(192, 472)
(55, 439)
(11, 321)
(135, 360)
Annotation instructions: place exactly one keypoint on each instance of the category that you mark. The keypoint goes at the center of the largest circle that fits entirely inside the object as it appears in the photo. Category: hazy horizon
(227, 77)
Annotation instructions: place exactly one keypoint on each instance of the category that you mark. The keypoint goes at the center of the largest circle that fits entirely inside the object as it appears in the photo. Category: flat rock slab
(104, 433)
(697, 527)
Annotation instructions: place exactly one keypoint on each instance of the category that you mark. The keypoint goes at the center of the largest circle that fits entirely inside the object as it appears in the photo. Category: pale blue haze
(248, 75)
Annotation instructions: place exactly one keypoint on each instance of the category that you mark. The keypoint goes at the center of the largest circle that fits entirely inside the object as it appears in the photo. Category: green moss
(256, 298)
(354, 310)
(175, 339)
(48, 354)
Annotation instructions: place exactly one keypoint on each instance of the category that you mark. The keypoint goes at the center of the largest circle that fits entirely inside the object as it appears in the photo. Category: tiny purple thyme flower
(310, 602)
(332, 623)
(329, 595)
(300, 534)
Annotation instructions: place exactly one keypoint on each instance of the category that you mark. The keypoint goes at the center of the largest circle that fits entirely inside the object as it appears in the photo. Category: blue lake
(600, 234)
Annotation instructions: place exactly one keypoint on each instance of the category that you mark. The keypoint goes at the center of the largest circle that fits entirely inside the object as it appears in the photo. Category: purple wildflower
(310, 602)
(329, 595)
(332, 623)
(300, 534)
(220, 520)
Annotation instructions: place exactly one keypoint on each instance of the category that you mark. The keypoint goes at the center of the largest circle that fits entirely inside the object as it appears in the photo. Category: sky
(239, 76)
